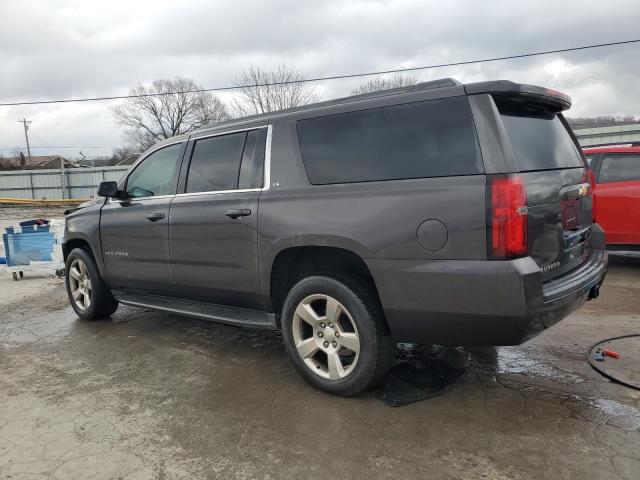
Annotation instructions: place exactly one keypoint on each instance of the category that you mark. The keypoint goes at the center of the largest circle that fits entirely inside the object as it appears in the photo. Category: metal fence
(56, 183)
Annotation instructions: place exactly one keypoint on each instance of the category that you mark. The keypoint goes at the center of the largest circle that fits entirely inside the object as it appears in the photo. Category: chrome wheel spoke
(76, 293)
(333, 310)
(307, 348)
(305, 312)
(87, 298)
(74, 273)
(350, 341)
(336, 370)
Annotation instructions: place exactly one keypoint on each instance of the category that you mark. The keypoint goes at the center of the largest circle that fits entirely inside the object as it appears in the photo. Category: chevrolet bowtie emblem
(582, 191)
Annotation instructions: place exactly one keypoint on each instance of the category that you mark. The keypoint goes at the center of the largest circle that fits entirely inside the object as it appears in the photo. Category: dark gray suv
(438, 213)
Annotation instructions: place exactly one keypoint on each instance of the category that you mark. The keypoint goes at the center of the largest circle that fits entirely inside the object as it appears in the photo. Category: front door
(213, 224)
(134, 232)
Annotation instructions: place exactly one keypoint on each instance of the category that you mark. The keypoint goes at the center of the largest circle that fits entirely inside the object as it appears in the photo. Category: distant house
(36, 162)
(51, 161)
(97, 162)
(130, 160)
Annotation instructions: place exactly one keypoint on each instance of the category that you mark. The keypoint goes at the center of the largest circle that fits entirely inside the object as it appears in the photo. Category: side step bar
(219, 313)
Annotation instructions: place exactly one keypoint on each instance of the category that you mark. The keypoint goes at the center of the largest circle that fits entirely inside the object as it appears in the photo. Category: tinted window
(252, 167)
(215, 163)
(423, 139)
(591, 158)
(156, 175)
(619, 168)
(539, 139)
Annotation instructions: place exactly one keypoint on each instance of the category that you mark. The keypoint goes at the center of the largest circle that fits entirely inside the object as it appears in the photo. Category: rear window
(619, 168)
(424, 139)
(539, 139)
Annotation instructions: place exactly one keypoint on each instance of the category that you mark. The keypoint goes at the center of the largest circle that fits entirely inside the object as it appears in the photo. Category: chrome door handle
(238, 212)
(154, 217)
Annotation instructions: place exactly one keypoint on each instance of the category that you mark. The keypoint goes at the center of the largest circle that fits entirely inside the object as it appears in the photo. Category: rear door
(618, 197)
(559, 197)
(213, 223)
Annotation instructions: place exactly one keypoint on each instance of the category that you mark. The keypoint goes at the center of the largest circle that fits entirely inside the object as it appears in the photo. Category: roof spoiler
(520, 92)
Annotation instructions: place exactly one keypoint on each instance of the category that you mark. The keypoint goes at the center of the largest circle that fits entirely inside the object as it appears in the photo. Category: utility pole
(26, 123)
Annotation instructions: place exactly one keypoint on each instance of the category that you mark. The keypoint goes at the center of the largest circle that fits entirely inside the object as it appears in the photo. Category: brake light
(508, 217)
(592, 182)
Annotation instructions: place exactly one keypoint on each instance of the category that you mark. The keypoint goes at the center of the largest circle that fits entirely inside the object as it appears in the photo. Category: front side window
(433, 138)
(156, 175)
(619, 168)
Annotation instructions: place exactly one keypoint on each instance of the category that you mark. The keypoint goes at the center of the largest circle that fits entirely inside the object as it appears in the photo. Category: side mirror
(108, 189)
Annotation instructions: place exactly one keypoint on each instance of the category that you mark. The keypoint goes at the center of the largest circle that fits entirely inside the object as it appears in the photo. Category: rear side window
(424, 139)
(539, 139)
(591, 158)
(227, 162)
(215, 163)
(252, 168)
(619, 168)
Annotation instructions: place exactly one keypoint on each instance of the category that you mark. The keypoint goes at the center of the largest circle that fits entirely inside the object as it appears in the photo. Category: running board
(219, 313)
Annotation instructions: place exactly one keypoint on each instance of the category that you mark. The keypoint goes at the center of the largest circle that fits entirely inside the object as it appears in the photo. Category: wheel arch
(293, 263)
(81, 242)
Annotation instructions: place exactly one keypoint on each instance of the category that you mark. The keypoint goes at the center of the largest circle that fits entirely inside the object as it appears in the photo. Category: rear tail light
(592, 182)
(508, 217)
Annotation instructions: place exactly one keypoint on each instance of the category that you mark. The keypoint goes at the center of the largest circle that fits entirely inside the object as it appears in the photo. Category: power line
(48, 147)
(319, 79)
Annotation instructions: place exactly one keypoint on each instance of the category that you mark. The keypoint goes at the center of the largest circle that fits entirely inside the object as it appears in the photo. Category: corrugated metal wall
(48, 184)
(608, 135)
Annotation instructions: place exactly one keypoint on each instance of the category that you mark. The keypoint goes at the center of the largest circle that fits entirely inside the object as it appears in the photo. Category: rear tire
(90, 298)
(335, 334)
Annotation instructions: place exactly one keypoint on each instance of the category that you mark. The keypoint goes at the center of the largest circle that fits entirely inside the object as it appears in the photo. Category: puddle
(422, 372)
(520, 361)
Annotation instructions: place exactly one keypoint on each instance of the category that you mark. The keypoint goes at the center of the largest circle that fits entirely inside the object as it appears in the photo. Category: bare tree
(384, 83)
(166, 108)
(125, 154)
(270, 90)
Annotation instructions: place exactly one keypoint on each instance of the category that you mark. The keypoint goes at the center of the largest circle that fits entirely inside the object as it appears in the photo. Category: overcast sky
(75, 48)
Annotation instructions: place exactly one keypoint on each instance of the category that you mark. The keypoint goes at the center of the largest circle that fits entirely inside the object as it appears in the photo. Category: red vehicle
(617, 195)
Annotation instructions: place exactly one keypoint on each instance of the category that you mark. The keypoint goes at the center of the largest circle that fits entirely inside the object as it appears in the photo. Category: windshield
(539, 139)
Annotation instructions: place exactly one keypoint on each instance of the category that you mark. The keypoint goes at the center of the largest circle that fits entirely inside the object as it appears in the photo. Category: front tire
(335, 334)
(90, 298)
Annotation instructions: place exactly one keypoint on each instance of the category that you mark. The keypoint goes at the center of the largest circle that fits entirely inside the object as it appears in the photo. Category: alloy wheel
(80, 284)
(326, 337)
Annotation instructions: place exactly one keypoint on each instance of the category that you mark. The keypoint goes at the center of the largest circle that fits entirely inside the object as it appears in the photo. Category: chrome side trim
(267, 160)
(218, 192)
(228, 132)
(130, 200)
(267, 168)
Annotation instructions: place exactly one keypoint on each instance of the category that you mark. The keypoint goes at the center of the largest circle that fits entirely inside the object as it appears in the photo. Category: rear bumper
(468, 302)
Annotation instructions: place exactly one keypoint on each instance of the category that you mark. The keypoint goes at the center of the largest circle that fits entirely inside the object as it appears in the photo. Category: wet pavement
(152, 395)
